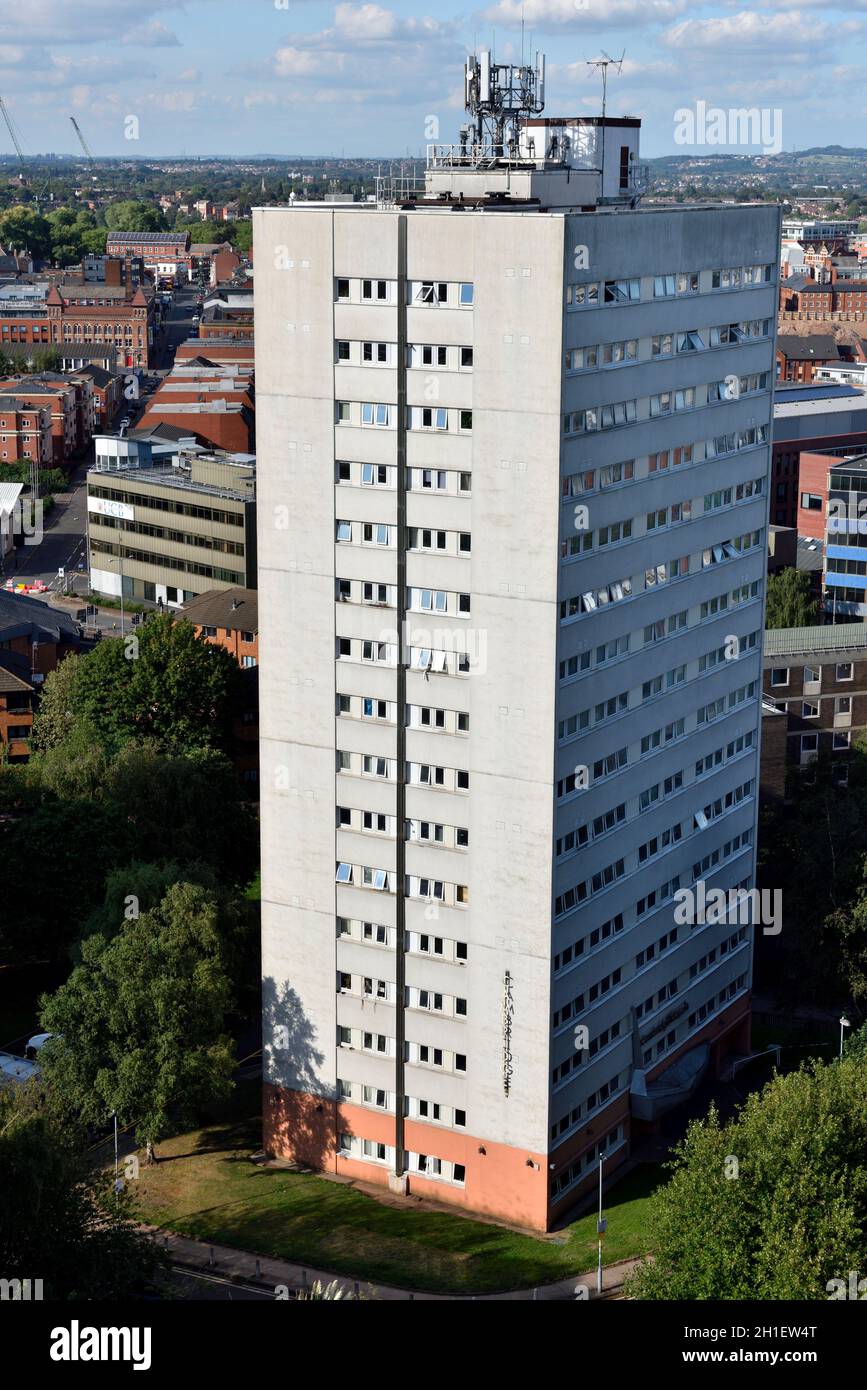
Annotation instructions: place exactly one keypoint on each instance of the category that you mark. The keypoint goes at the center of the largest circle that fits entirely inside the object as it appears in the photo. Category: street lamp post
(844, 1023)
(601, 1225)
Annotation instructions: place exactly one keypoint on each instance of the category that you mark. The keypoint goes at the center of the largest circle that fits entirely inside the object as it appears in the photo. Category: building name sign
(103, 506)
(508, 1013)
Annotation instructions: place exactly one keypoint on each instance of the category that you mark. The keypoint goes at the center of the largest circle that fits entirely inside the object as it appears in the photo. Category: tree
(210, 231)
(243, 236)
(162, 683)
(23, 229)
(59, 1220)
(132, 216)
(187, 807)
(772, 1205)
(57, 711)
(141, 1021)
(139, 887)
(789, 600)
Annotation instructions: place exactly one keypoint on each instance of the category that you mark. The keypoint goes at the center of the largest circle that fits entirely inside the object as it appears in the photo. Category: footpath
(269, 1275)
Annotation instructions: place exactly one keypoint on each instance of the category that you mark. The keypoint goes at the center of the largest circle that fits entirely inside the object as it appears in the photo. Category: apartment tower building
(514, 443)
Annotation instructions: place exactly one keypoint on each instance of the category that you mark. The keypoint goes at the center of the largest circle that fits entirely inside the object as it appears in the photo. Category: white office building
(514, 451)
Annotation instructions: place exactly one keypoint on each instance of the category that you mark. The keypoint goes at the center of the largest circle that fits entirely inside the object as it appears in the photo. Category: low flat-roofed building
(818, 677)
(165, 534)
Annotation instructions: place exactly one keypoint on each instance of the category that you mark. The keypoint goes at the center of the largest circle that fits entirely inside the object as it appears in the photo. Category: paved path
(262, 1272)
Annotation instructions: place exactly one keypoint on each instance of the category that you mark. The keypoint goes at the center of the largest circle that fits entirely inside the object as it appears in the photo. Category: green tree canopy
(24, 229)
(142, 1020)
(133, 216)
(59, 1219)
(789, 601)
(162, 683)
(772, 1205)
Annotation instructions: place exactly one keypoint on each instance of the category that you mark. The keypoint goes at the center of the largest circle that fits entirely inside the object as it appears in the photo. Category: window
(844, 670)
(811, 502)
(780, 676)
(466, 296)
(622, 291)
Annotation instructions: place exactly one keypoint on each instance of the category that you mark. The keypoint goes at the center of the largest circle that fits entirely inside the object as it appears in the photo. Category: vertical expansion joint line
(402, 656)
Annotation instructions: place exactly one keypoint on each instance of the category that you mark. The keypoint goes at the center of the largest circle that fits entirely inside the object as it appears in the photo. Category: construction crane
(82, 141)
(13, 135)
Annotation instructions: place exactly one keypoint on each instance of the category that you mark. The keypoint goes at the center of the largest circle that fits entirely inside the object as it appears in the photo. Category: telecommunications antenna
(604, 63)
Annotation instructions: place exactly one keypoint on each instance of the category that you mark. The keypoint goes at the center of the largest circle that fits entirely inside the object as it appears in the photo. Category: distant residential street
(64, 542)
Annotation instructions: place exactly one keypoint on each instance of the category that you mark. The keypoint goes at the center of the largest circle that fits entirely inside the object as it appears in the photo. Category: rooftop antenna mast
(604, 63)
(497, 97)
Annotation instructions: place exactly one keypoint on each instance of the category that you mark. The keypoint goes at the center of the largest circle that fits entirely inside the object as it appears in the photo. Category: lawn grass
(208, 1188)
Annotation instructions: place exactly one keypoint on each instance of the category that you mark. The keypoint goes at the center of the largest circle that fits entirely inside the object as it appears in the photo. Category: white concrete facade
(486, 472)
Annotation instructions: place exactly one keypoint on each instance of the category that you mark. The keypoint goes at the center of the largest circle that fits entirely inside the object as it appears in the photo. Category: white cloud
(300, 62)
(748, 32)
(591, 15)
(41, 21)
(151, 35)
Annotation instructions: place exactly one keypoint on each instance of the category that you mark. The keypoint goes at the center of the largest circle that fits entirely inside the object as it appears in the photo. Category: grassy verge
(207, 1188)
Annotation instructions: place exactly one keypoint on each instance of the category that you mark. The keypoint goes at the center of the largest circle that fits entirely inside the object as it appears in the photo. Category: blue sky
(308, 77)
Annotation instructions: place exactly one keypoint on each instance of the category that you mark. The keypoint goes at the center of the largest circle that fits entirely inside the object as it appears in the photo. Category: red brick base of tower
(502, 1182)
(505, 1183)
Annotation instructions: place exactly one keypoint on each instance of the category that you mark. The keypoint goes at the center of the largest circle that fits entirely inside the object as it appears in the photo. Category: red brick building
(77, 315)
(25, 431)
(225, 350)
(103, 314)
(214, 402)
(798, 356)
(165, 254)
(17, 696)
(69, 401)
(107, 390)
(800, 295)
(223, 424)
(218, 320)
(229, 618)
(43, 636)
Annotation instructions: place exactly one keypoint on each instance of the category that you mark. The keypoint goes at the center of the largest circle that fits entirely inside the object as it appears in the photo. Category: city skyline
(201, 80)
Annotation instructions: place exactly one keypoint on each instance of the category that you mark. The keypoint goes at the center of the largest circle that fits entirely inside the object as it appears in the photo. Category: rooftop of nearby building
(852, 464)
(164, 431)
(819, 401)
(220, 406)
(148, 238)
(180, 475)
(98, 375)
(21, 615)
(801, 348)
(833, 640)
(810, 554)
(233, 609)
(14, 673)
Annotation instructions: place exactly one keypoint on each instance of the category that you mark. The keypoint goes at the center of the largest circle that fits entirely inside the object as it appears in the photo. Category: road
(209, 1288)
(64, 542)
